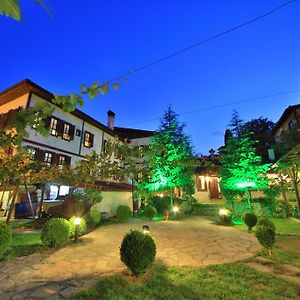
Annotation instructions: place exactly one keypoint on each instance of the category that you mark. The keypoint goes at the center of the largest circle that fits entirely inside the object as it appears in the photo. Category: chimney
(111, 119)
(211, 153)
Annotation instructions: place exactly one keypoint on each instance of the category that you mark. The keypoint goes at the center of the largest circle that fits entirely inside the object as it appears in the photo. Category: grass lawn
(287, 246)
(283, 226)
(24, 244)
(286, 250)
(231, 281)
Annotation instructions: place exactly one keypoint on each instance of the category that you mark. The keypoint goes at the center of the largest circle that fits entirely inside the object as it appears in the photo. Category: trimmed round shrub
(266, 236)
(250, 220)
(55, 232)
(92, 218)
(150, 212)
(82, 226)
(267, 223)
(123, 213)
(5, 237)
(137, 251)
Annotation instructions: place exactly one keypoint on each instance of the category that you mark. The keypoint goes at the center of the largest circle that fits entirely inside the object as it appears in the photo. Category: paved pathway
(195, 241)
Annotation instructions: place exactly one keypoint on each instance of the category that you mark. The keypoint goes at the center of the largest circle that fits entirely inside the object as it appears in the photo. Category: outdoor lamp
(146, 229)
(175, 209)
(223, 211)
(77, 223)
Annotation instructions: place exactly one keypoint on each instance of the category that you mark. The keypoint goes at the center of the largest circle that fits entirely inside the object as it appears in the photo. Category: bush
(150, 212)
(55, 232)
(225, 216)
(92, 218)
(82, 226)
(266, 236)
(250, 220)
(5, 237)
(123, 213)
(267, 223)
(137, 251)
(159, 203)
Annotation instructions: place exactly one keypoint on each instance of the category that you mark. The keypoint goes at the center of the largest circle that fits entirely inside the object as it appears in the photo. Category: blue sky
(95, 40)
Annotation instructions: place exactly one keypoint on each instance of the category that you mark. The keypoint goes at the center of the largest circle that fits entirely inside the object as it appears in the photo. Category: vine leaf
(10, 8)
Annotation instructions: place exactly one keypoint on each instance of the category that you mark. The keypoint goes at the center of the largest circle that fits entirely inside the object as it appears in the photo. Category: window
(291, 125)
(61, 161)
(48, 159)
(66, 132)
(139, 176)
(88, 140)
(53, 126)
(201, 183)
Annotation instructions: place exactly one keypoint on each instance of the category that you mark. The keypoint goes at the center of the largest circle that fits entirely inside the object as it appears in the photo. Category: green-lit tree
(241, 169)
(261, 132)
(169, 159)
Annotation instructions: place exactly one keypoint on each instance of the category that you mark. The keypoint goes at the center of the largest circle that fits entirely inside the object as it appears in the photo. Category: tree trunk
(42, 202)
(12, 204)
(248, 197)
(30, 202)
(171, 199)
(294, 177)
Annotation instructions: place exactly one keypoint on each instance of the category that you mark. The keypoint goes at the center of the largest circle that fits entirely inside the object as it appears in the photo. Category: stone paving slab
(195, 241)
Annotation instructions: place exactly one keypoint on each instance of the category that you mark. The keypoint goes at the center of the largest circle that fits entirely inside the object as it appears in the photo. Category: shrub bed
(150, 212)
(5, 237)
(92, 218)
(55, 232)
(123, 213)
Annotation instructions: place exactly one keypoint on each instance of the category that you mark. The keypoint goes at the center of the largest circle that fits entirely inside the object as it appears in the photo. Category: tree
(288, 167)
(261, 132)
(236, 123)
(170, 161)
(11, 8)
(241, 169)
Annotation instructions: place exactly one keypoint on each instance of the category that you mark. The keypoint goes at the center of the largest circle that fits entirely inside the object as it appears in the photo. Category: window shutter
(47, 121)
(72, 131)
(60, 127)
(68, 160)
(91, 140)
(55, 158)
(39, 155)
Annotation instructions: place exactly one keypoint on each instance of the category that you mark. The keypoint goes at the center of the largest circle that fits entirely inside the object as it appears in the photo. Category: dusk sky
(88, 41)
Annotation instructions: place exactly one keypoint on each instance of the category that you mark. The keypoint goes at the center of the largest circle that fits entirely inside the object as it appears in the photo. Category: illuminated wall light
(175, 209)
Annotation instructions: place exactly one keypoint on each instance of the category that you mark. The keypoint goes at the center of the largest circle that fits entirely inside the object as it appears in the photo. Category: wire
(224, 105)
(155, 62)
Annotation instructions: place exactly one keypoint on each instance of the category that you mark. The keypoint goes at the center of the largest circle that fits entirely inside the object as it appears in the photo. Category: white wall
(112, 200)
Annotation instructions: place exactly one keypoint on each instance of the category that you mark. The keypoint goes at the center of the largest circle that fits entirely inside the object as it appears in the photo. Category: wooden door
(214, 188)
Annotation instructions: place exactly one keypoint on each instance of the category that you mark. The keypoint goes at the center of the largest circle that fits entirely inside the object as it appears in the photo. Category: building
(289, 119)
(207, 187)
(72, 136)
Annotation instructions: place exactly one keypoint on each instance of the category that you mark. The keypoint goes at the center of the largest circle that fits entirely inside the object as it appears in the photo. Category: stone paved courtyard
(195, 241)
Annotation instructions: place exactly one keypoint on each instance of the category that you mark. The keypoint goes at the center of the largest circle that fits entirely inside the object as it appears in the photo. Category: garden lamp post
(146, 229)
(175, 210)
